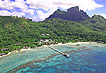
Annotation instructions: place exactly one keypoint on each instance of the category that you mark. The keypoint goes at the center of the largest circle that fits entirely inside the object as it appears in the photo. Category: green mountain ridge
(16, 33)
(96, 23)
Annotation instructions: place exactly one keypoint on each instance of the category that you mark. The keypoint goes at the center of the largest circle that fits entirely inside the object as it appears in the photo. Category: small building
(26, 47)
(17, 44)
(46, 40)
(4, 49)
(41, 40)
(47, 34)
(43, 34)
(1, 54)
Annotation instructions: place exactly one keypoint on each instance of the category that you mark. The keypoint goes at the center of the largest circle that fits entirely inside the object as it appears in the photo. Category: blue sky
(99, 11)
(38, 10)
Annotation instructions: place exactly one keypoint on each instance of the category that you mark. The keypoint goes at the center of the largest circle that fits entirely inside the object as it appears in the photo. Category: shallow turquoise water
(86, 58)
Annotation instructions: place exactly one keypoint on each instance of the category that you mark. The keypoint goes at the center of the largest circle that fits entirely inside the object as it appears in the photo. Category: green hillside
(16, 33)
(96, 23)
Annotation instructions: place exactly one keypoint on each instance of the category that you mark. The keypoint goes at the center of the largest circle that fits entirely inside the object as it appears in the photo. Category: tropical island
(61, 27)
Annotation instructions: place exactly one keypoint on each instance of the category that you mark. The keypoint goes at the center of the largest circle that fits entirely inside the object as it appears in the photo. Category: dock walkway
(64, 54)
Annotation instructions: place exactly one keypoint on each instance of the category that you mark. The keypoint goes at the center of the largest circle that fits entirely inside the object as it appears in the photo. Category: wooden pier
(64, 54)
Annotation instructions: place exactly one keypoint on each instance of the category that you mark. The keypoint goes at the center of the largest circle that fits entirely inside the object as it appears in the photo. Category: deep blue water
(86, 58)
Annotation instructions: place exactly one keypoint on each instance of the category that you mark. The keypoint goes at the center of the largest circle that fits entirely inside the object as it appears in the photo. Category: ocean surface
(85, 58)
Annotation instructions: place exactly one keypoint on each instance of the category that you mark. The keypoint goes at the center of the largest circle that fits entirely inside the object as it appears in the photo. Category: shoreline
(8, 53)
(70, 43)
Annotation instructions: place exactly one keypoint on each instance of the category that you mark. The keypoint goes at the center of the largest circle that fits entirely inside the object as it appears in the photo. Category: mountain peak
(98, 16)
(74, 9)
(72, 14)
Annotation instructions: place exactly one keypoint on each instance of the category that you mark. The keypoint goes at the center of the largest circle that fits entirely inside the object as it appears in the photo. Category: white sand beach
(70, 43)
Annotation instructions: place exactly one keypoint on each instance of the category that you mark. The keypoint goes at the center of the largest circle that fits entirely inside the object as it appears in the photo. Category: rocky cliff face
(72, 14)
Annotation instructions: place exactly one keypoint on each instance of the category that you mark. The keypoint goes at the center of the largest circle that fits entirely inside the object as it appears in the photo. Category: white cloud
(44, 4)
(19, 14)
(18, 5)
(28, 11)
(6, 13)
(7, 4)
(47, 4)
(34, 18)
(42, 15)
(104, 15)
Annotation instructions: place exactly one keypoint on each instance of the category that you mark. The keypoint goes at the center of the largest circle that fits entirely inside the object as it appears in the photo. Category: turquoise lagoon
(85, 58)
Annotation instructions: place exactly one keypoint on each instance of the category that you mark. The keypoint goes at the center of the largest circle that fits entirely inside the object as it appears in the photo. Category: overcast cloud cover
(38, 10)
